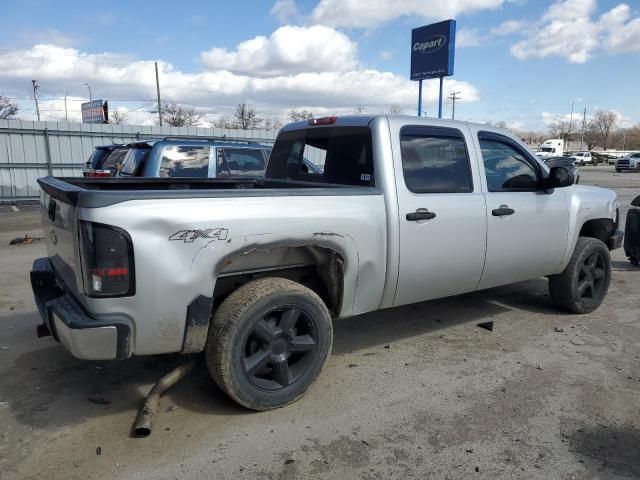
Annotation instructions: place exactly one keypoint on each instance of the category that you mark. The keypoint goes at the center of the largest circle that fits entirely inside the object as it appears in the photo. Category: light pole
(35, 96)
(90, 97)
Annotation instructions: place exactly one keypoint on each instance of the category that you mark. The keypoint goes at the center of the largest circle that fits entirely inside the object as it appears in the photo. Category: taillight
(102, 173)
(322, 121)
(107, 260)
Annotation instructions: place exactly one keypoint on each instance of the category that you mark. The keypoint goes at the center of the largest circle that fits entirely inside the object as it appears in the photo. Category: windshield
(547, 149)
(343, 155)
(133, 161)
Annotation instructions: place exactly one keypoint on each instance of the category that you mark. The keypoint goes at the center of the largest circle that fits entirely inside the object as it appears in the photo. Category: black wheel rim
(279, 348)
(591, 280)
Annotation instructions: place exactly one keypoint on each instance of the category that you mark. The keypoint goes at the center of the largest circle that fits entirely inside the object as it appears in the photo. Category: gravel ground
(413, 392)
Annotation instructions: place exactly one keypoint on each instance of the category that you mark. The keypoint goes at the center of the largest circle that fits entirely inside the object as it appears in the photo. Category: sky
(523, 62)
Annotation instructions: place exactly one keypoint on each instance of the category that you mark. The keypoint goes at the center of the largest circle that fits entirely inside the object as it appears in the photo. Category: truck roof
(365, 120)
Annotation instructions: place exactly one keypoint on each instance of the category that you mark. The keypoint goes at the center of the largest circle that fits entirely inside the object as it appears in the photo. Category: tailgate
(59, 225)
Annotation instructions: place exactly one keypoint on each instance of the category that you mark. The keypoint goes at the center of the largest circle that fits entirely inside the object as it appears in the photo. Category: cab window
(507, 167)
(435, 160)
(241, 162)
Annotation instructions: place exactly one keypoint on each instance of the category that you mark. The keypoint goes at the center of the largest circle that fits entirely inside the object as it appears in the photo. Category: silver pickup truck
(252, 272)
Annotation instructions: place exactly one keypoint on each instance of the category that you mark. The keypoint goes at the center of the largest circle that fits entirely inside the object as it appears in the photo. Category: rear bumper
(615, 241)
(85, 337)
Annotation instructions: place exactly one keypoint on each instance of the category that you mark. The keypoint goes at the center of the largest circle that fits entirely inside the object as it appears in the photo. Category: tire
(634, 261)
(268, 343)
(583, 284)
(618, 170)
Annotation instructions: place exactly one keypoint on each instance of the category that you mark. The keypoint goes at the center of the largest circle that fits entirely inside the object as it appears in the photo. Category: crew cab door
(442, 213)
(527, 227)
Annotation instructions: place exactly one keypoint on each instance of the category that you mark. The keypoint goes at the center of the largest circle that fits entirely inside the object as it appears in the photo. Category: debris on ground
(98, 451)
(387, 346)
(558, 330)
(26, 240)
(289, 462)
(486, 325)
(352, 365)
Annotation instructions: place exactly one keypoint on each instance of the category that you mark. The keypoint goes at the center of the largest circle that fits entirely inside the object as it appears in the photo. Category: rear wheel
(268, 342)
(584, 283)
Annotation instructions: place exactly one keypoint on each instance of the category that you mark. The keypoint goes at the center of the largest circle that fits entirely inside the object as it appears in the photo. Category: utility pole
(66, 113)
(158, 91)
(35, 97)
(359, 109)
(584, 122)
(566, 147)
(454, 96)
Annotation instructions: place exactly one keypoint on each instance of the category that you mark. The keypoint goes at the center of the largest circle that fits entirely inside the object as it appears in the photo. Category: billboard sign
(433, 50)
(93, 112)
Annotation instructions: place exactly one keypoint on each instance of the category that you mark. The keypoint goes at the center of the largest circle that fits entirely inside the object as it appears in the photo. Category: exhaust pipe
(142, 425)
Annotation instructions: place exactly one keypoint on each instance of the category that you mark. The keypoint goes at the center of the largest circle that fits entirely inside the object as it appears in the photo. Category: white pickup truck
(252, 272)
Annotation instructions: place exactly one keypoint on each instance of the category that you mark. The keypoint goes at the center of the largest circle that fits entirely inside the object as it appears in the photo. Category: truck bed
(101, 192)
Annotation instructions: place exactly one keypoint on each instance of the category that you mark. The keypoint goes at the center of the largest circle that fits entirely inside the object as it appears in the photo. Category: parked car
(252, 271)
(566, 162)
(103, 161)
(175, 157)
(582, 158)
(630, 161)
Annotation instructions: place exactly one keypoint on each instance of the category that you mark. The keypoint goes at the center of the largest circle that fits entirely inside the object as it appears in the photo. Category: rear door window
(241, 162)
(185, 161)
(344, 155)
(435, 160)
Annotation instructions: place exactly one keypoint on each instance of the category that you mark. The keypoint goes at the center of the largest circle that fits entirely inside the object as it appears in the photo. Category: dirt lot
(415, 392)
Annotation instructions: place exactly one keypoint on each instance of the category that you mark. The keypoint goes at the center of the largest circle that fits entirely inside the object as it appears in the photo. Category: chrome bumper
(85, 337)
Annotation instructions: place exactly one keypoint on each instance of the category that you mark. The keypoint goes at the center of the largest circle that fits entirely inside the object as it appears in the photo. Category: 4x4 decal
(188, 236)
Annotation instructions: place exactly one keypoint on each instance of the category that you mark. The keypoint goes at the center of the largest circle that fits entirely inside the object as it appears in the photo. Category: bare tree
(603, 122)
(394, 109)
(272, 124)
(176, 115)
(558, 128)
(8, 109)
(295, 115)
(246, 116)
(591, 137)
(118, 117)
(224, 121)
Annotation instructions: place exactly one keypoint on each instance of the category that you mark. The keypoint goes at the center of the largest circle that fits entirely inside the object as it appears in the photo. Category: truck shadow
(607, 451)
(388, 326)
(46, 387)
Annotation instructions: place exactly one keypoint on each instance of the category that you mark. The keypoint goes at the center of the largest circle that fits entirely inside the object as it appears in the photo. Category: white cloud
(466, 37)
(371, 13)
(570, 29)
(288, 50)
(386, 54)
(285, 11)
(508, 27)
(117, 78)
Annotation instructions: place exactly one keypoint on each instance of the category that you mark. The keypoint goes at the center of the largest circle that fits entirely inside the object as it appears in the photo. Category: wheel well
(319, 269)
(600, 228)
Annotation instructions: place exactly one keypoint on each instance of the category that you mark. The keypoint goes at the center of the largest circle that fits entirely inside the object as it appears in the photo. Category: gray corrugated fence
(29, 150)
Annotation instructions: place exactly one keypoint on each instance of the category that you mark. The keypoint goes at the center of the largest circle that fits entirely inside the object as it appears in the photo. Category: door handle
(420, 214)
(502, 211)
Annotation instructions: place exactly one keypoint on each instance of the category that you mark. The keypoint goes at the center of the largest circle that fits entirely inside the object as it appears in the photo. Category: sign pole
(420, 98)
(440, 99)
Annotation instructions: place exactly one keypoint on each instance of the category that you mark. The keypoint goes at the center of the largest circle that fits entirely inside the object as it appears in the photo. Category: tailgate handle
(52, 210)
(420, 214)
(502, 211)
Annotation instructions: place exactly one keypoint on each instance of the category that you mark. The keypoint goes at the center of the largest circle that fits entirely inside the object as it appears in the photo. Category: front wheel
(268, 342)
(584, 283)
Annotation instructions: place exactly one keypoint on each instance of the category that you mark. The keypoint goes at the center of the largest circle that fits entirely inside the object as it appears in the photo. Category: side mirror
(559, 177)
